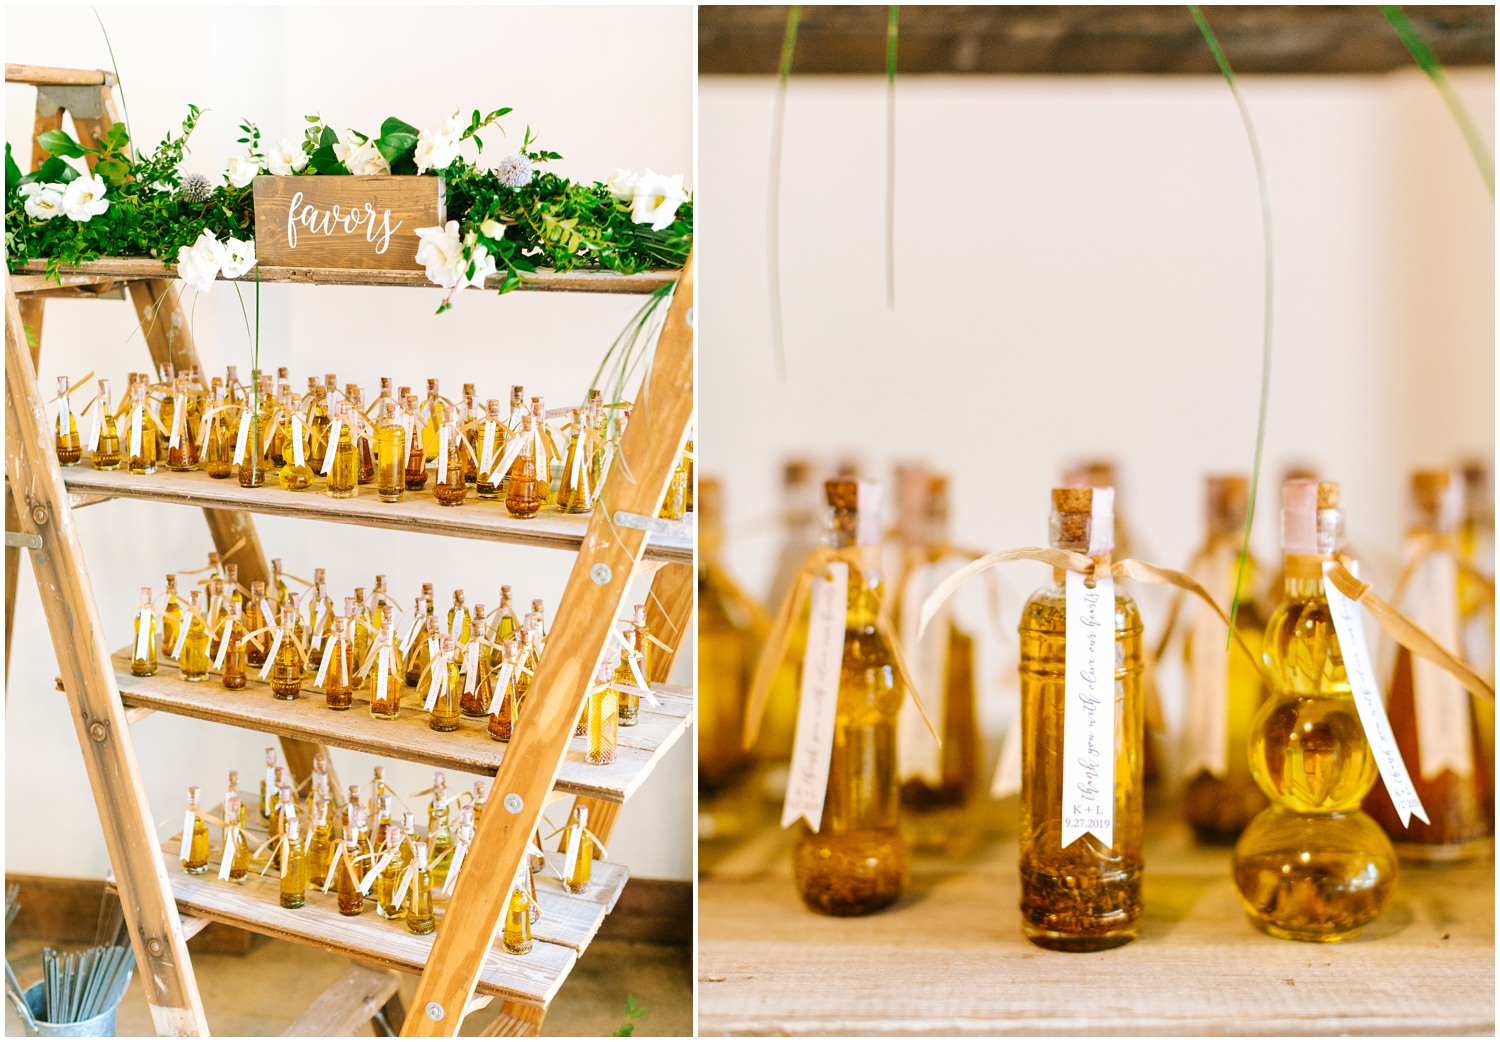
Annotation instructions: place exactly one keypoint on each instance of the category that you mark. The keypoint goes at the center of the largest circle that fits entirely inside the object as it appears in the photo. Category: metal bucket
(102, 1026)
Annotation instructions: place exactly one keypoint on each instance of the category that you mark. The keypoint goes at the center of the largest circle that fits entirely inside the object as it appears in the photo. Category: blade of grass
(773, 197)
(124, 108)
(890, 157)
(1270, 283)
(1423, 56)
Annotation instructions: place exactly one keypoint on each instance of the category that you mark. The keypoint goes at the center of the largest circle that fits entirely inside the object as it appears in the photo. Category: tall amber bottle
(526, 489)
(140, 453)
(232, 650)
(343, 471)
(104, 447)
(1225, 689)
(143, 657)
(194, 837)
(384, 681)
(856, 861)
(1312, 866)
(69, 444)
(390, 456)
(1432, 716)
(1085, 896)
(416, 452)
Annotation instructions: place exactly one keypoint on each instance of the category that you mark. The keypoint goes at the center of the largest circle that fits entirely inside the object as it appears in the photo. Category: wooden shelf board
(950, 958)
(469, 749)
(567, 924)
(418, 512)
(135, 268)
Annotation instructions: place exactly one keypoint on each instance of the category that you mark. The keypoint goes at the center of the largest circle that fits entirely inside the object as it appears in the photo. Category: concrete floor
(262, 993)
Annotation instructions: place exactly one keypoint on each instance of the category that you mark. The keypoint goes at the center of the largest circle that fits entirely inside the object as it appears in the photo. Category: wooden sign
(340, 221)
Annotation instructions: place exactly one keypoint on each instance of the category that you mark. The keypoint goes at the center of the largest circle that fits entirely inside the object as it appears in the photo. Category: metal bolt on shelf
(514, 803)
(435, 1011)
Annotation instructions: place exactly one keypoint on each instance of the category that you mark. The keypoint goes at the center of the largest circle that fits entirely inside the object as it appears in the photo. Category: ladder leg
(31, 319)
(93, 698)
(669, 615)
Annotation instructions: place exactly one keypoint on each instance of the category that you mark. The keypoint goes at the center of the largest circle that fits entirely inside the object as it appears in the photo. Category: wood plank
(469, 749)
(50, 76)
(591, 602)
(96, 710)
(769, 966)
(669, 615)
(586, 281)
(476, 519)
(348, 1006)
(1062, 39)
(297, 220)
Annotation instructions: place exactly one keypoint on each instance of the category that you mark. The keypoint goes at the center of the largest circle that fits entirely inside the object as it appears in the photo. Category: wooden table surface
(949, 958)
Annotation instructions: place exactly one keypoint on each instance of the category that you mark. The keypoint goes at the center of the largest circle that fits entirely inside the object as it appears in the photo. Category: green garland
(551, 222)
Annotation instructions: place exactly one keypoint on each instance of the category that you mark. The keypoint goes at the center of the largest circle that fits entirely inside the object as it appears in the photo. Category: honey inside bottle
(143, 655)
(602, 707)
(526, 489)
(104, 454)
(1312, 866)
(416, 452)
(1085, 896)
(1433, 718)
(69, 444)
(856, 861)
(194, 837)
(390, 456)
(140, 454)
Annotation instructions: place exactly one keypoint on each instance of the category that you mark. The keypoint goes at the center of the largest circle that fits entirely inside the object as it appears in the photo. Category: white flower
(442, 253)
(493, 229)
(365, 159)
(43, 202)
(621, 184)
(242, 170)
(84, 198)
(435, 151)
(656, 199)
(514, 171)
(199, 264)
(238, 257)
(286, 157)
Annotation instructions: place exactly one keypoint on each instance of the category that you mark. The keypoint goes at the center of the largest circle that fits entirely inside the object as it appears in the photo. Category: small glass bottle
(140, 452)
(505, 703)
(435, 414)
(576, 495)
(346, 872)
(279, 438)
(319, 426)
(182, 453)
(674, 503)
(856, 861)
(491, 435)
(420, 917)
(232, 650)
(449, 487)
(1312, 866)
(319, 618)
(171, 615)
(479, 681)
(338, 666)
(444, 714)
(578, 852)
(343, 471)
(267, 783)
(320, 846)
(546, 452)
(388, 882)
(293, 866)
(194, 837)
(390, 456)
(217, 452)
(104, 453)
(286, 671)
(419, 655)
(236, 844)
(690, 474)
(383, 681)
(364, 435)
(298, 465)
(439, 834)
(469, 417)
(516, 936)
(630, 702)
(69, 445)
(192, 659)
(257, 619)
(460, 623)
(143, 657)
(416, 452)
(250, 449)
(1432, 717)
(525, 489)
(603, 716)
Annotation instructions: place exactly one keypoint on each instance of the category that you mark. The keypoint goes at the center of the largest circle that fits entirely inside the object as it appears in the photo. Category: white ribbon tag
(96, 424)
(812, 755)
(136, 419)
(1207, 732)
(917, 754)
(298, 457)
(634, 658)
(327, 658)
(265, 670)
(374, 873)
(267, 615)
(382, 672)
(439, 676)
(456, 621)
(406, 878)
(187, 834)
(502, 681)
(228, 858)
(143, 634)
(575, 848)
(1444, 742)
(1366, 694)
(179, 410)
(242, 440)
(182, 635)
(471, 666)
(453, 865)
(224, 645)
(442, 468)
(333, 444)
(487, 448)
(1088, 752)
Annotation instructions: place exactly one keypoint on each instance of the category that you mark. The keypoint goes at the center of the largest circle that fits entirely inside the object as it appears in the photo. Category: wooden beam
(48, 76)
(669, 616)
(1087, 39)
(349, 1004)
(591, 602)
(98, 715)
(31, 322)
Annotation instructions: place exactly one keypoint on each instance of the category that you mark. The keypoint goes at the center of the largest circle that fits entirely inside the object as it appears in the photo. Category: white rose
(656, 200)
(238, 257)
(43, 202)
(366, 159)
(484, 267)
(84, 198)
(435, 151)
(442, 253)
(493, 229)
(242, 170)
(199, 264)
(286, 157)
(621, 184)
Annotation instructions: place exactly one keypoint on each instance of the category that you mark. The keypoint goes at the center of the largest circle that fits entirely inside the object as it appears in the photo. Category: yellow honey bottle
(439, 834)
(232, 657)
(236, 844)
(491, 436)
(434, 413)
(578, 852)
(422, 650)
(319, 425)
(335, 673)
(516, 936)
(194, 837)
(182, 452)
(343, 466)
(525, 487)
(143, 655)
(602, 707)
(390, 456)
(1225, 688)
(140, 452)
(383, 682)
(1312, 866)
(293, 865)
(444, 687)
(388, 881)
(320, 845)
(420, 916)
(104, 437)
(576, 495)
(286, 667)
(449, 487)
(416, 452)
(346, 873)
(192, 647)
(674, 505)
(855, 862)
(505, 703)
(1081, 862)
(69, 445)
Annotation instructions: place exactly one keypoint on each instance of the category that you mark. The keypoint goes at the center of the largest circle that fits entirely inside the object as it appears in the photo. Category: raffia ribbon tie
(774, 651)
(1423, 545)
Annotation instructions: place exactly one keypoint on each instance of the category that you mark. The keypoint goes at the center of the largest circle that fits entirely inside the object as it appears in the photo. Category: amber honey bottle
(1084, 895)
(505, 703)
(236, 843)
(293, 864)
(603, 716)
(449, 487)
(182, 450)
(855, 862)
(445, 687)
(416, 452)
(140, 452)
(104, 447)
(1312, 866)
(194, 837)
(384, 680)
(251, 439)
(1433, 718)
(490, 437)
(1225, 687)
(578, 852)
(286, 669)
(725, 654)
(575, 494)
(525, 486)
(347, 874)
(516, 935)
(479, 680)
(337, 668)
(390, 456)
(388, 882)
(69, 444)
(319, 425)
(422, 649)
(420, 916)
(343, 470)
(321, 845)
(192, 644)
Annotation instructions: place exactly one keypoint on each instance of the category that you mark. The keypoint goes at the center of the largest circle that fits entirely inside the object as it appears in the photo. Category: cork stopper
(842, 493)
(469, 390)
(1083, 520)
(62, 385)
(1437, 499)
(1072, 500)
(1305, 529)
(848, 467)
(1328, 495)
(1228, 502)
(937, 500)
(796, 471)
(1091, 474)
(913, 489)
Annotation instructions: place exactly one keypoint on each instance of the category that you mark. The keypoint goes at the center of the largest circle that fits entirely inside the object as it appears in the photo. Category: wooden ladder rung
(349, 1005)
(193, 925)
(51, 76)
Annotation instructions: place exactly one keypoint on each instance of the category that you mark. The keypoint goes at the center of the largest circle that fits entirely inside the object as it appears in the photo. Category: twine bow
(1424, 544)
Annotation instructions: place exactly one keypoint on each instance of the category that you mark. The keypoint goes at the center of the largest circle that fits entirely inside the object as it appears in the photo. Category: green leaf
(12, 172)
(54, 170)
(323, 159)
(114, 171)
(392, 126)
(59, 143)
(312, 119)
(117, 136)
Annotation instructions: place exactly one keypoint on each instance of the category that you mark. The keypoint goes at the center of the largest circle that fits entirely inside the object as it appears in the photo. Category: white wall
(605, 87)
(1079, 275)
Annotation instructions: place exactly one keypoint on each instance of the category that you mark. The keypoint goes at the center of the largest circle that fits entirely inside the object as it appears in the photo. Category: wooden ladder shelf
(163, 908)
